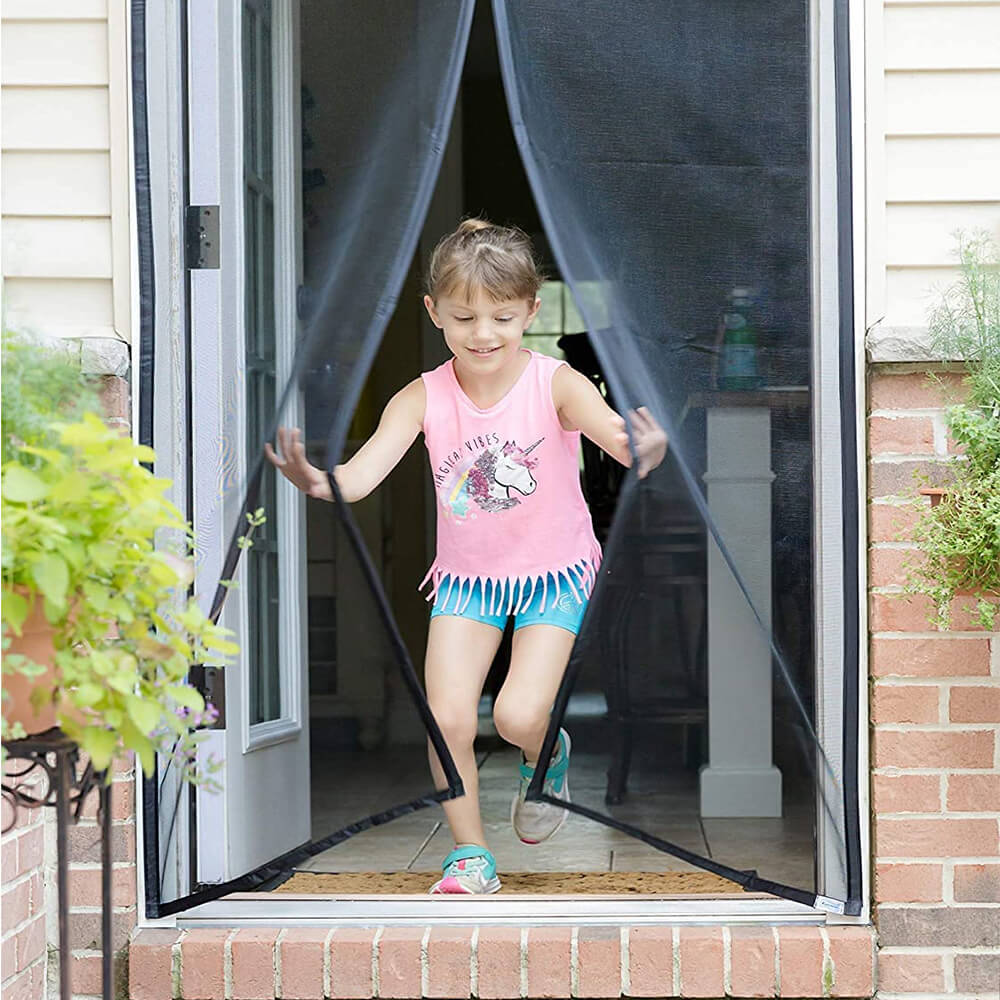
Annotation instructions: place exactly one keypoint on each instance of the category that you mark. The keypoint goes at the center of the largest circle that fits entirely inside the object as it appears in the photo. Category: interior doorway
(367, 749)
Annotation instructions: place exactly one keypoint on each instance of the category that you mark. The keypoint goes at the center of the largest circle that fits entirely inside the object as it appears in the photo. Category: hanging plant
(959, 534)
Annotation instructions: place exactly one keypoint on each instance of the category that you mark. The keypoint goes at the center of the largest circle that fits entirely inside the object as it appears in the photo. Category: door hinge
(201, 238)
(211, 683)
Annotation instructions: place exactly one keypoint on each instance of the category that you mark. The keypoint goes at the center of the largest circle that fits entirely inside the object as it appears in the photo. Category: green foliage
(85, 529)
(959, 538)
(39, 382)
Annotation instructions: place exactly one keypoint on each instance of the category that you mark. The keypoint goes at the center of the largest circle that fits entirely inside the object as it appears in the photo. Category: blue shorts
(566, 612)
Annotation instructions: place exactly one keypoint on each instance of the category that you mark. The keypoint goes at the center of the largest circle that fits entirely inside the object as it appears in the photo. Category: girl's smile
(484, 335)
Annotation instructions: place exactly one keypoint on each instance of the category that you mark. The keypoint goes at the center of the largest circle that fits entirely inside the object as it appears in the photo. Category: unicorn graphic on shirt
(513, 471)
(495, 481)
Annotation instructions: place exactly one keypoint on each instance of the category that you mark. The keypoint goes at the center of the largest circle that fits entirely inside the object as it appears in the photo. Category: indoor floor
(350, 785)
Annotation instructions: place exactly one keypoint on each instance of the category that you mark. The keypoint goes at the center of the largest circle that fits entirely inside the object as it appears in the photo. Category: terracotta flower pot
(36, 643)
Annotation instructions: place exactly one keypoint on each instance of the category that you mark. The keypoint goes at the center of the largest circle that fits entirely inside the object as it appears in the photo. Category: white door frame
(266, 765)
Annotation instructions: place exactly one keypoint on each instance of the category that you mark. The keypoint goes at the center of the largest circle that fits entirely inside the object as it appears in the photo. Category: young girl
(502, 426)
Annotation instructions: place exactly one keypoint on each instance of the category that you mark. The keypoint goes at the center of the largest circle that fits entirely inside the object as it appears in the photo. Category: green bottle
(738, 353)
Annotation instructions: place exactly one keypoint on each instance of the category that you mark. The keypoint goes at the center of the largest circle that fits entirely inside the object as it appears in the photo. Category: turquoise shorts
(566, 612)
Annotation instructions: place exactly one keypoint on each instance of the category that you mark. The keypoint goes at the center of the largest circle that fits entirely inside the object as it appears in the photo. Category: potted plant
(96, 569)
(958, 535)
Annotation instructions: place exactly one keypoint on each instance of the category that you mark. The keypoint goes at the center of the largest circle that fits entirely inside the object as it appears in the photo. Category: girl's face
(484, 335)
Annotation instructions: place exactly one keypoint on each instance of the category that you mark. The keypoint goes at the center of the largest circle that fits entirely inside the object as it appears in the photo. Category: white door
(243, 128)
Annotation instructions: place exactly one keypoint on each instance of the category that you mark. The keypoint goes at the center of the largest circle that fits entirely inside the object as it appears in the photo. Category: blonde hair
(498, 259)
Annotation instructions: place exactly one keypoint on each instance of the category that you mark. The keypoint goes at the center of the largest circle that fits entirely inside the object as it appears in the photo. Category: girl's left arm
(582, 408)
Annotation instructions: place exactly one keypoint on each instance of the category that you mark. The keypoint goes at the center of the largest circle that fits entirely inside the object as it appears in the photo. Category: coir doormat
(535, 883)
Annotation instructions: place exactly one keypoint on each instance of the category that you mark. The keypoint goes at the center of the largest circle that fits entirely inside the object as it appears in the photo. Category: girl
(502, 426)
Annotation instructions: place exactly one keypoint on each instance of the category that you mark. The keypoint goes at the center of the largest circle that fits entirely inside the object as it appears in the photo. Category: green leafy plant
(959, 537)
(90, 537)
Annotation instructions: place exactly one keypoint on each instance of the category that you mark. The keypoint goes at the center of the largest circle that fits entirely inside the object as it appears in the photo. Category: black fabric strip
(849, 456)
(277, 871)
(144, 222)
(455, 788)
(147, 302)
(749, 880)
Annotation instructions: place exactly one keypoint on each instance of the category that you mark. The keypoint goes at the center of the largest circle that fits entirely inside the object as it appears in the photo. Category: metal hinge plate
(202, 237)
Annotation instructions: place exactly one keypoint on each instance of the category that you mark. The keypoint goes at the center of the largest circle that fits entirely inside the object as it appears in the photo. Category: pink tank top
(510, 511)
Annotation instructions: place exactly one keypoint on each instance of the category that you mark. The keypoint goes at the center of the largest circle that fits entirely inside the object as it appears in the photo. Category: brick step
(311, 963)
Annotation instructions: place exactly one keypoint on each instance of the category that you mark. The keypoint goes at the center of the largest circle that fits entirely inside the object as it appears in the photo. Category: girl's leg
(459, 654)
(538, 662)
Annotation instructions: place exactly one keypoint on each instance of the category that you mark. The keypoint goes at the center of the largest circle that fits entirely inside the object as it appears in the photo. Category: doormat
(535, 883)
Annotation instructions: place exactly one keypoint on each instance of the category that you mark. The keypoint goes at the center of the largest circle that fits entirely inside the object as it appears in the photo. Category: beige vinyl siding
(938, 168)
(65, 173)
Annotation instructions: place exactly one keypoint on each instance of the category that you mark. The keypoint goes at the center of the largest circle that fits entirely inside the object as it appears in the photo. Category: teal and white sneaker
(534, 822)
(470, 870)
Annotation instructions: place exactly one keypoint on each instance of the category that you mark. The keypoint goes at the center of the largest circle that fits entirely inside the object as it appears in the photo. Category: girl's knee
(517, 721)
(457, 727)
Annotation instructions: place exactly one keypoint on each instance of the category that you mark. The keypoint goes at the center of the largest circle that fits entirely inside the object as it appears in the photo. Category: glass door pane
(263, 592)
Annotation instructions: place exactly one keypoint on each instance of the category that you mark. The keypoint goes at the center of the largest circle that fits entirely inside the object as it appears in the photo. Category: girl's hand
(650, 440)
(295, 467)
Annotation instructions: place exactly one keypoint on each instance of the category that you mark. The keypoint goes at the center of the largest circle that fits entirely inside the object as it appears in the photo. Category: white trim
(287, 909)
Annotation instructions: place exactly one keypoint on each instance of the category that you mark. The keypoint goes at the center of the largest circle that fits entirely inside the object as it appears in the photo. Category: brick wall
(22, 907)
(935, 706)
(29, 920)
(309, 963)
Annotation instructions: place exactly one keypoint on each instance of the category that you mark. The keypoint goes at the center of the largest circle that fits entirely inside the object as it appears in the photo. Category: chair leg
(621, 760)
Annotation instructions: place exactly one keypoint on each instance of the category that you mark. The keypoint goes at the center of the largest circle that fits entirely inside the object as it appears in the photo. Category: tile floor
(662, 799)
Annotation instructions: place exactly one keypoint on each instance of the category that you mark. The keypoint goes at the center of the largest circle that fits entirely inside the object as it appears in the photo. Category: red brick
(752, 962)
(253, 963)
(901, 613)
(85, 887)
(944, 749)
(302, 951)
(449, 967)
(907, 972)
(915, 391)
(974, 792)
(889, 522)
(891, 567)
(902, 793)
(8, 859)
(499, 953)
(852, 955)
(150, 963)
(900, 436)
(30, 850)
(908, 883)
(23, 987)
(937, 657)
(399, 961)
(202, 963)
(85, 928)
(351, 962)
(599, 962)
(85, 974)
(8, 956)
(801, 961)
(974, 704)
(935, 838)
(651, 961)
(702, 973)
(549, 961)
(15, 906)
(977, 883)
(965, 614)
(907, 477)
(905, 703)
(31, 941)
(113, 395)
